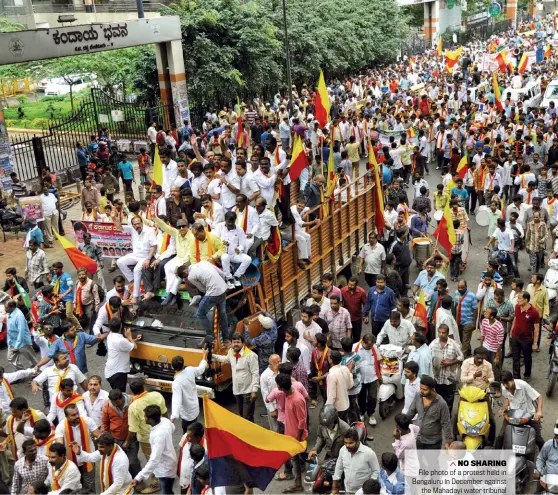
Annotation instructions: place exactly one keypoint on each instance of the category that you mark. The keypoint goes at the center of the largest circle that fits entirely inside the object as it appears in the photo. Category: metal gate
(55, 146)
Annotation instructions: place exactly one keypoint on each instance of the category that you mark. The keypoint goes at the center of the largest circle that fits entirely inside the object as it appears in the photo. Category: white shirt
(253, 223)
(162, 462)
(207, 278)
(367, 363)
(143, 242)
(228, 198)
(267, 384)
(266, 183)
(112, 293)
(48, 202)
(373, 258)
(523, 398)
(411, 390)
(56, 412)
(95, 410)
(10, 378)
(170, 172)
(198, 183)
(61, 429)
(118, 355)
(305, 354)
(52, 376)
(185, 403)
(121, 478)
(444, 317)
(236, 238)
(397, 336)
(311, 330)
(325, 305)
(245, 370)
(152, 135)
(267, 220)
(70, 479)
(248, 185)
(216, 216)
(44, 347)
(504, 239)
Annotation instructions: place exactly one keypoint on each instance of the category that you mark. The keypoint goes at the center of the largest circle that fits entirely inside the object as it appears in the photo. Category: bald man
(267, 384)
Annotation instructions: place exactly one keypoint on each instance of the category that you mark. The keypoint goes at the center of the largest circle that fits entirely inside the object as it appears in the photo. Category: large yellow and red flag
(502, 59)
(379, 219)
(445, 233)
(240, 128)
(322, 105)
(497, 94)
(523, 62)
(547, 51)
(79, 259)
(299, 160)
(439, 47)
(331, 182)
(452, 58)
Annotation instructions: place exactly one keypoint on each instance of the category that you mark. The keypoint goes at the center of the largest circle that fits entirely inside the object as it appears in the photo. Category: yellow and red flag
(436, 73)
(523, 62)
(453, 57)
(240, 128)
(157, 177)
(462, 167)
(322, 104)
(502, 59)
(497, 94)
(439, 47)
(547, 51)
(411, 132)
(445, 233)
(420, 311)
(299, 160)
(79, 259)
(379, 219)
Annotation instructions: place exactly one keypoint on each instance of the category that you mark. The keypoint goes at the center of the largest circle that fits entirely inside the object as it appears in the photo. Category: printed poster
(113, 242)
(31, 207)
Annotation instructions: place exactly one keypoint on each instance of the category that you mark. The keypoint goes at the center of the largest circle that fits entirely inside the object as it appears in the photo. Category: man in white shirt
(267, 384)
(210, 281)
(303, 238)
(119, 347)
(193, 436)
(267, 221)
(170, 172)
(212, 213)
(54, 375)
(116, 476)
(307, 328)
(265, 180)
(369, 374)
(245, 375)
(164, 253)
(248, 185)
(293, 339)
(68, 432)
(159, 206)
(235, 240)
(185, 402)
(162, 462)
(144, 244)
(247, 219)
(95, 399)
(230, 184)
(50, 214)
(397, 330)
(65, 397)
(63, 473)
(412, 384)
(6, 379)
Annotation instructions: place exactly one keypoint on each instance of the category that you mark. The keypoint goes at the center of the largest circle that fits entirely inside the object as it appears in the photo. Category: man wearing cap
(264, 343)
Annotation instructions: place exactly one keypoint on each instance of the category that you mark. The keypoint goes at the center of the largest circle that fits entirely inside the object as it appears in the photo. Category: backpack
(102, 293)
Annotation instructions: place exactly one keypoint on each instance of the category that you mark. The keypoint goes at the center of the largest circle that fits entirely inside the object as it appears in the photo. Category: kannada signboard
(113, 242)
(45, 43)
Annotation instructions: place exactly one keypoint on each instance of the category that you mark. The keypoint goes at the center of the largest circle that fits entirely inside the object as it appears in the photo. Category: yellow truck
(282, 288)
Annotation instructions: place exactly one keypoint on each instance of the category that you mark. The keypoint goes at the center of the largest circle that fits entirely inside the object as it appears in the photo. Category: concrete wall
(50, 20)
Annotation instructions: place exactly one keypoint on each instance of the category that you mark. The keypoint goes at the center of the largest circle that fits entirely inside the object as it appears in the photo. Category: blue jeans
(206, 304)
(165, 485)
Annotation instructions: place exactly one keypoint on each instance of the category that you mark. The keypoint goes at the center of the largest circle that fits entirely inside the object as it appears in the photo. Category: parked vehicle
(519, 437)
(551, 94)
(551, 284)
(552, 365)
(473, 422)
(61, 85)
(391, 367)
(530, 94)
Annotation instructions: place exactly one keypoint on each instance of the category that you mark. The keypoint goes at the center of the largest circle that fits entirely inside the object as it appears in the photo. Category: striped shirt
(493, 335)
(458, 246)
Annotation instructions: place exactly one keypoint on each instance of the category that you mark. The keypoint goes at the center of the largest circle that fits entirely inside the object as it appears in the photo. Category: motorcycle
(319, 477)
(391, 368)
(552, 365)
(473, 421)
(551, 284)
(505, 268)
(519, 437)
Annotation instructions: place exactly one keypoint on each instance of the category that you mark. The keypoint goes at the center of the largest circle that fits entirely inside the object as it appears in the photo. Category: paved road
(382, 432)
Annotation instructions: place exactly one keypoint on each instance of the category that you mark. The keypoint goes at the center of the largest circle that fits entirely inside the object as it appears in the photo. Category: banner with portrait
(31, 207)
(113, 242)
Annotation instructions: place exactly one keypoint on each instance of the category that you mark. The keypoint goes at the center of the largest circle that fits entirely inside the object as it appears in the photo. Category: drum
(387, 175)
(438, 214)
(422, 247)
(482, 216)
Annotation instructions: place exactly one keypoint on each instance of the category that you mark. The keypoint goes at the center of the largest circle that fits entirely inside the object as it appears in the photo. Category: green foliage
(415, 14)
(7, 26)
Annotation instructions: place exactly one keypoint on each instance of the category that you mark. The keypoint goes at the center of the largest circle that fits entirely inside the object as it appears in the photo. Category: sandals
(284, 477)
(294, 489)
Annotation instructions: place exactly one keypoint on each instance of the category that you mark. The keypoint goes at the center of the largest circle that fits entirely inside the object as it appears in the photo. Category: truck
(280, 287)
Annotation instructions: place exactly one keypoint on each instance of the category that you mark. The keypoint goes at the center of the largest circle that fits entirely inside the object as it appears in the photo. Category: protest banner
(113, 242)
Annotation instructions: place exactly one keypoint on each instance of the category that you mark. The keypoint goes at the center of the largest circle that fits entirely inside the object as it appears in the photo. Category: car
(551, 94)
(530, 94)
(43, 83)
(61, 85)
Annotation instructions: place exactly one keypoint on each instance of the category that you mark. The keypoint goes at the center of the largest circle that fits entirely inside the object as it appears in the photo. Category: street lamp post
(288, 57)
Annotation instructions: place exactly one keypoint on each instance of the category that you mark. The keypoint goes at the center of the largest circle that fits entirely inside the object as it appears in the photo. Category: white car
(551, 94)
(61, 85)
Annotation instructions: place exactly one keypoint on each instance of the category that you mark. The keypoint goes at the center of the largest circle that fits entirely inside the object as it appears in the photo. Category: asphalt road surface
(383, 431)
